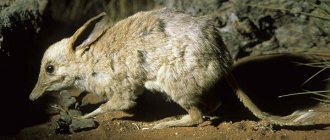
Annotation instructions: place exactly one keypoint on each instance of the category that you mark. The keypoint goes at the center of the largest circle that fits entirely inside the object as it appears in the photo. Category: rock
(274, 27)
(193, 7)
(18, 15)
(63, 123)
(68, 101)
(299, 36)
(69, 122)
(82, 124)
(20, 22)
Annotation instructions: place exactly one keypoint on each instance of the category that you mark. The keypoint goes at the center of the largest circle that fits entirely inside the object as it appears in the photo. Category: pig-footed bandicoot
(162, 50)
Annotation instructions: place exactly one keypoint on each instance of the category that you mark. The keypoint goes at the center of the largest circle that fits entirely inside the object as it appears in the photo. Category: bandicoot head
(58, 66)
(53, 74)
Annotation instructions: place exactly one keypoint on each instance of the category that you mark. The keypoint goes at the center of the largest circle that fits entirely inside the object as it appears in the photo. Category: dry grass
(322, 95)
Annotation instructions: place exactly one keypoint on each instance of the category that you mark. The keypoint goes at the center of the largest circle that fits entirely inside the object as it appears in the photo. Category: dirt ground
(118, 125)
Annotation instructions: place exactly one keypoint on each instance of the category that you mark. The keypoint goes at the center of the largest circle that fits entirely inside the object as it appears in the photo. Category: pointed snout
(38, 91)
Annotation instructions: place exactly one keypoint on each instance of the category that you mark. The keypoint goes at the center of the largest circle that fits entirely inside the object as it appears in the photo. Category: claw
(78, 117)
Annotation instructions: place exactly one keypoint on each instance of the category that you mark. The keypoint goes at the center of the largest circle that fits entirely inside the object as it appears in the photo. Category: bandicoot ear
(79, 36)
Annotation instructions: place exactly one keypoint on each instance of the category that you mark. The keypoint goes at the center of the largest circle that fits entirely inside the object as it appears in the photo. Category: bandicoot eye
(49, 69)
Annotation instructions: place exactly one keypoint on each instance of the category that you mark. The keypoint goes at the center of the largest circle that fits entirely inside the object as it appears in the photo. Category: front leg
(118, 102)
(101, 109)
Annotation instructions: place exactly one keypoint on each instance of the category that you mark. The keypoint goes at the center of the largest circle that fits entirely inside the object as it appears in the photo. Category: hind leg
(193, 118)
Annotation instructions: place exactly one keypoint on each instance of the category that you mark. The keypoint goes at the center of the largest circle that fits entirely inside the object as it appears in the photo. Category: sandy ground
(119, 125)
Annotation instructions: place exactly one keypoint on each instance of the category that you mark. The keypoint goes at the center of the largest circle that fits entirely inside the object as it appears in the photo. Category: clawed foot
(92, 114)
(185, 121)
(79, 117)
